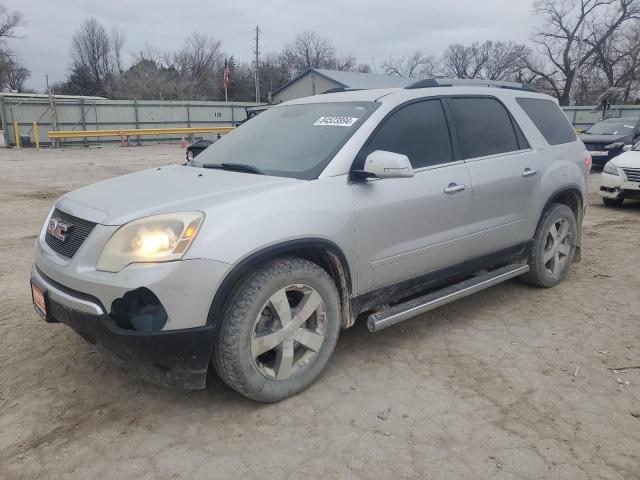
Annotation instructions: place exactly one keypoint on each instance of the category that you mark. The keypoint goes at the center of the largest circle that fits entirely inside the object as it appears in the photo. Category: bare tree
(617, 61)
(487, 60)
(91, 51)
(12, 73)
(571, 33)
(198, 57)
(117, 39)
(147, 80)
(309, 50)
(9, 24)
(416, 65)
(16, 76)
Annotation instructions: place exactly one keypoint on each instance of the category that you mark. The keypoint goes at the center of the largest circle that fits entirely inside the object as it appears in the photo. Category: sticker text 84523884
(335, 121)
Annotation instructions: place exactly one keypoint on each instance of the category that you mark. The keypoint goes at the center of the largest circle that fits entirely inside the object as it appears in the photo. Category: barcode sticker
(335, 121)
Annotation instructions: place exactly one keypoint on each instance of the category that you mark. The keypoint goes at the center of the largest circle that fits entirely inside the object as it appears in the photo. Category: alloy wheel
(557, 247)
(288, 332)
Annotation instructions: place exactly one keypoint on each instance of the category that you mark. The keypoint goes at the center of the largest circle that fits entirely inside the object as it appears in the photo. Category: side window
(419, 131)
(484, 127)
(549, 119)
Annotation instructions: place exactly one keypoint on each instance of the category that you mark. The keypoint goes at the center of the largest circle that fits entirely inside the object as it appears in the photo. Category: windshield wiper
(234, 167)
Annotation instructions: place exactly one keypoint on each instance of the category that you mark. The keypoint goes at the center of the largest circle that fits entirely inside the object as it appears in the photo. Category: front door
(407, 227)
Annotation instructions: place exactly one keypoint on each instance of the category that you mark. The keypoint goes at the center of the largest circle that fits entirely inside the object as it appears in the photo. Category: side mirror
(381, 164)
(626, 148)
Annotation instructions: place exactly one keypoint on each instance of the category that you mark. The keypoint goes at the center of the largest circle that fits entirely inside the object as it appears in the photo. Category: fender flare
(573, 190)
(247, 264)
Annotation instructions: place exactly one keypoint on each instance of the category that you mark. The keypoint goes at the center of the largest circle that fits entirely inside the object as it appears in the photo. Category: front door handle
(528, 172)
(454, 187)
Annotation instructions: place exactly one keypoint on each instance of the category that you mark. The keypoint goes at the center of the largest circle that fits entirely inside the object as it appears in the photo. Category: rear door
(504, 173)
(411, 226)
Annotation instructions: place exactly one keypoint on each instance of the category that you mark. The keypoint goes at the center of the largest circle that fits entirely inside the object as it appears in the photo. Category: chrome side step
(403, 311)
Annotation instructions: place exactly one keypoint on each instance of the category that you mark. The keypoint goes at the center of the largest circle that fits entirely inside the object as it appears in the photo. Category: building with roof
(317, 80)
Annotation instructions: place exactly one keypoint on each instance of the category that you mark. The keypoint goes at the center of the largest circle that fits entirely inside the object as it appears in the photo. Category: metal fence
(78, 113)
(584, 117)
(90, 113)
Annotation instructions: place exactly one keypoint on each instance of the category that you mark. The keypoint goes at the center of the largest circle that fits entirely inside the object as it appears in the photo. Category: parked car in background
(253, 256)
(606, 139)
(197, 147)
(621, 178)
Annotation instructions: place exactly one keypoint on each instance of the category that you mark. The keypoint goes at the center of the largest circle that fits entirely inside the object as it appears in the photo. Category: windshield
(622, 127)
(290, 141)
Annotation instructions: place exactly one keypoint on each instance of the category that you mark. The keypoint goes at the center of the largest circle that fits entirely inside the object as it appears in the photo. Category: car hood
(163, 190)
(628, 159)
(604, 139)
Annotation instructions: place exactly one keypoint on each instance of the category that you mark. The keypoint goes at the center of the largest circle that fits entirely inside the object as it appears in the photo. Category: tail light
(588, 162)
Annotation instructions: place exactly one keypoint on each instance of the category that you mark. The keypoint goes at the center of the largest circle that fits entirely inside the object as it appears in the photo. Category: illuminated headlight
(160, 238)
(611, 169)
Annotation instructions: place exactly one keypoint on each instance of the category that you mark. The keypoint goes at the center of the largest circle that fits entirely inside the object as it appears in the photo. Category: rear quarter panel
(559, 166)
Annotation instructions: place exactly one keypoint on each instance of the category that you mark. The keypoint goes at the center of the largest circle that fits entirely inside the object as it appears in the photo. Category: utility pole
(257, 52)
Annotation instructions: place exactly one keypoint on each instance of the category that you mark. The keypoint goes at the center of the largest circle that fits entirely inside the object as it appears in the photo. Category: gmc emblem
(58, 228)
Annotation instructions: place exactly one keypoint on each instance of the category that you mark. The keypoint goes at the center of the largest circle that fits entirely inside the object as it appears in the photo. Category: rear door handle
(528, 172)
(453, 188)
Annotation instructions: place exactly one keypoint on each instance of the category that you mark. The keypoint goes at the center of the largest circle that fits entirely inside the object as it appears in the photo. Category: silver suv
(252, 257)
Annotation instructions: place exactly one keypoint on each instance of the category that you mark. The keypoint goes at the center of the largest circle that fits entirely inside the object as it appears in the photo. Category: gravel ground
(512, 383)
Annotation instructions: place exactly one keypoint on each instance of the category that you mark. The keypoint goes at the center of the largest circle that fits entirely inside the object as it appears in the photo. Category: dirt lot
(511, 383)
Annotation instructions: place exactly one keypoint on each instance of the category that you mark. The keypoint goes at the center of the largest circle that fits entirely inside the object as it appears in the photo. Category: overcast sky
(367, 29)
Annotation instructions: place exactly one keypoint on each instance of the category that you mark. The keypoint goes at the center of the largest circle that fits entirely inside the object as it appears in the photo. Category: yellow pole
(36, 134)
(16, 131)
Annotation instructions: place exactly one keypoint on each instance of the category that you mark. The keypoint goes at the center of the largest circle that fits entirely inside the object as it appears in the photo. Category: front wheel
(279, 329)
(554, 247)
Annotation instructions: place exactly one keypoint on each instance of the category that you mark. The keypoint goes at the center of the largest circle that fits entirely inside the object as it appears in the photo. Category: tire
(613, 202)
(262, 351)
(548, 248)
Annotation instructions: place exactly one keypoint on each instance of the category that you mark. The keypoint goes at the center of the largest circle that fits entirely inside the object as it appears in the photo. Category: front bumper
(599, 157)
(174, 358)
(613, 186)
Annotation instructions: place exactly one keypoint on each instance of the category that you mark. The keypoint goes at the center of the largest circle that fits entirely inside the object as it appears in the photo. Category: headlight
(160, 238)
(611, 169)
(614, 146)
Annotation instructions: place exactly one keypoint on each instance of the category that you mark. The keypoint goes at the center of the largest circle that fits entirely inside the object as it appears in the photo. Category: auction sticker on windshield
(335, 121)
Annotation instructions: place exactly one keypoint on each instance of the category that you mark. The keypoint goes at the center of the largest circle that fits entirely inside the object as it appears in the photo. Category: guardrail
(129, 132)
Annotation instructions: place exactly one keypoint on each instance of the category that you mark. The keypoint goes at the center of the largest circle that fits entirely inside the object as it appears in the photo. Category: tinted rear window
(484, 127)
(549, 119)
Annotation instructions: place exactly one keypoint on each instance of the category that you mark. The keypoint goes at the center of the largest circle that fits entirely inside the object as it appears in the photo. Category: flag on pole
(226, 78)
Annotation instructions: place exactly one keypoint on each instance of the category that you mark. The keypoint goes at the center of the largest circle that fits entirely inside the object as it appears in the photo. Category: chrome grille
(76, 235)
(632, 174)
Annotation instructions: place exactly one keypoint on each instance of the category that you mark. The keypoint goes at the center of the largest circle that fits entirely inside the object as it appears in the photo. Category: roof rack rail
(455, 82)
(340, 89)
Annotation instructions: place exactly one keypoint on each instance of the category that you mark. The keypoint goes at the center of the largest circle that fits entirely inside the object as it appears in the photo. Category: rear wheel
(554, 247)
(613, 202)
(279, 329)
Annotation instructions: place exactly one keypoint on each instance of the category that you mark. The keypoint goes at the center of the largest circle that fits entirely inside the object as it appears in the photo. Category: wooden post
(83, 119)
(36, 135)
(3, 120)
(16, 133)
(135, 107)
(189, 122)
